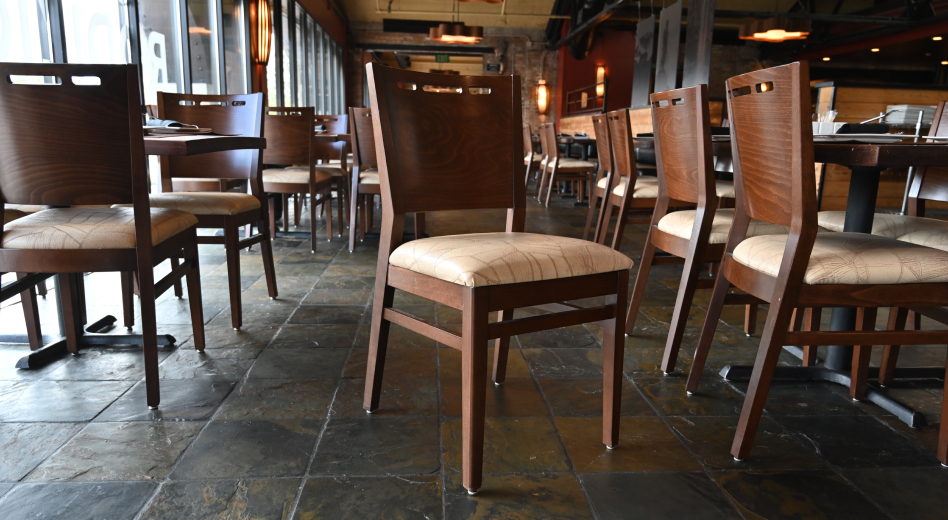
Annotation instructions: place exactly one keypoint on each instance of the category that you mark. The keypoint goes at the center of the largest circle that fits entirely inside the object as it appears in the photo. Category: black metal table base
(821, 373)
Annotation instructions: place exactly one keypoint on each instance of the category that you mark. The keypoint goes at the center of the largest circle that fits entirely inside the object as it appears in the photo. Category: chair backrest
(447, 142)
(71, 142)
(620, 139)
(682, 126)
(527, 140)
(335, 124)
(930, 183)
(289, 134)
(544, 146)
(772, 145)
(236, 114)
(603, 143)
(362, 136)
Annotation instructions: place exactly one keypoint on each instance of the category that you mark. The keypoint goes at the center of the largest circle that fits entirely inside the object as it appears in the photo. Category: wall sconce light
(600, 81)
(543, 96)
(261, 31)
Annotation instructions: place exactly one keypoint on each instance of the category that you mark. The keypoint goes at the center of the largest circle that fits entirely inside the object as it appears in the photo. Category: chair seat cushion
(536, 157)
(328, 168)
(724, 189)
(291, 176)
(681, 223)
(915, 230)
(369, 177)
(575, 163)
(25, 208)
(483, 259)
(850, 258)
(645, 188)
(90, 228)
(206, 203)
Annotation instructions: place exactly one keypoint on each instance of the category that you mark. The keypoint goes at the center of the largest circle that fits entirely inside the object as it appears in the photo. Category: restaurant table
(331, 138)
(866, 161)
(154, 145)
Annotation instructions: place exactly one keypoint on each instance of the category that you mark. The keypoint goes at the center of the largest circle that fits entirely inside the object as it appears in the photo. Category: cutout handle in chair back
(67, 141)
(603, 141)
(682, 126)
(236, 114)
(772, 143)
(620, 136)
(447, 148)
(289, 135)
(363, 139)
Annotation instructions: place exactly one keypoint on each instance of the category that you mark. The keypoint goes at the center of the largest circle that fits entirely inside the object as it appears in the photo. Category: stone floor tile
(511, 445)
(327, 315)
(507, 497)
(341, 290)
(62, 401)
(119, 451)
(645, 444)
(25, 445)
(181, 400)
(359, 498)
(564, 362)
(276, 312)
(105, 364)
(222, 364)
(270, 499)
(398, 337)
(567, 337)
(583, 398)
(904, 493)
(403, 362)
(224, 336)
(450, 363)
(795, 495)
(715, 397)
(646, 495)
(10, 354)
(374, 446)
(400, 396)
(278, 400)
(324, 363)
(314, 336)
(816, 399)
(77, 500)
(242, 449)
(516, 397)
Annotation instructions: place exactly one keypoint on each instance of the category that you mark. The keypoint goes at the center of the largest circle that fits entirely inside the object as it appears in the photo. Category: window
(286, 51)
(24, 31)
(235, 47)
(96, 31)
(203, 46)
(160, 40)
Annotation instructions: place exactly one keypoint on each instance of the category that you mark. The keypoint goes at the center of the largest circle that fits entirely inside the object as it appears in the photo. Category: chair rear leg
(683, 300)
(890, 353)
(269, 269)
(70, 308)
(341, 205)
(750, 319)
(865, 321)
(178, 292)
(286, 212)
(195, 300)
(716, 305)
(641, 280)
(312, 223)
(501, 350)
(549, 188)
(232, 251)
(473, 381)
(273, 227)
(811, 323)
(34, 332)
(353, 213)
(328, 206)
(771, 344)
(297, 209)
(41, 288)
(128, 299)
(419, 225)
(613, 351)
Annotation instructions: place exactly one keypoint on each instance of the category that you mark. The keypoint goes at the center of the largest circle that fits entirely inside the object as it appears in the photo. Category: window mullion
(57, 30)
(185, 45)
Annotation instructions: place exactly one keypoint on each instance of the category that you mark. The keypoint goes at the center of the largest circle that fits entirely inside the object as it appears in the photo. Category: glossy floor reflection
(268, 422)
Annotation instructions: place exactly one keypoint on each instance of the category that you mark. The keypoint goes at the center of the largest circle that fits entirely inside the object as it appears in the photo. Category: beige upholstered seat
(850, 258)
(90, 228)
(25, 208)
(292, 176)
(724, 189)
(681, 223)
(536, 157)
(914, 230)
(645, 188)
(328, 168)
(575, 163)
(482, 259)
(204, 203)
(369, 177)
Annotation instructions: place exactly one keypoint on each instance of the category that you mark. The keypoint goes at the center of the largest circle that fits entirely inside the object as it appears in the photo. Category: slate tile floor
(268, 422)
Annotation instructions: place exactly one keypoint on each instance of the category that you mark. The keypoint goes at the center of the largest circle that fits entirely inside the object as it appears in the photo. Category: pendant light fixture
(775, 29)
(456, 33)
(261, 23)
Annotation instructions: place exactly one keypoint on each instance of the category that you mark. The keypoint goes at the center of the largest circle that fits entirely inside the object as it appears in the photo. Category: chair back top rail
(289, 135)
(71, 135)
(682, 125)
(932, 183)
(335, 124)
(620, 137)
(603, 143)
(363, 139)
(447, 142)
(232, 114)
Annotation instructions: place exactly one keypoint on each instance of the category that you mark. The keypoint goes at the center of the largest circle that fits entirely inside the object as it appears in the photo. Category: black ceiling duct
(391, 25)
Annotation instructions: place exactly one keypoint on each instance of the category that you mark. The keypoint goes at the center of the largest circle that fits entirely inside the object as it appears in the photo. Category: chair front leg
(501, 349)
(890, 353)
(178, 292)
(750, 319)
(473, 385)
(273, 227)
(613, 352)
(866, 322)
(232, 253)
(269, 269)
(128, 298)
(943, 429)
(34, 332)
(811, 323)
(683, 300)
(353, 209)
(68, 290)
(378, 344)
(195, 301)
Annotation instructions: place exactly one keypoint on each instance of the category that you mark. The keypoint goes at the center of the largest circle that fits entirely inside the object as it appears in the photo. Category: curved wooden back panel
(620, 137)
(772, 144)
(289, 135)
(527, 140)
(603, 143)
(447, 142)
(238, 114)
(363, 138)
(932, 183)
(70, 143)
(335, 124)
(681, 122)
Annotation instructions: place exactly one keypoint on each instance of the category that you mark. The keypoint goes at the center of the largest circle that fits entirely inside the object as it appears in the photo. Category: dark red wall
(616, 51)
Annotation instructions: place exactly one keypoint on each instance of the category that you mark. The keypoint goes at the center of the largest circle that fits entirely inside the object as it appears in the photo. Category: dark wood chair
(365, 177)
(682, 122)
(51, 157)
(604, 178)
(240, 115)
(775, 183)
(289, 136)
(560, 169)
(531, 159)
(434, 134)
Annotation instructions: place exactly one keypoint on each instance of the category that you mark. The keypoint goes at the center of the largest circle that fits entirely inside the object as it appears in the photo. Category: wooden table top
(198, 144)
(332, 138)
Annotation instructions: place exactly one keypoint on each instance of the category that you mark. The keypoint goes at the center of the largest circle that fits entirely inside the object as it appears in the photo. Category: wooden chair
(241, 115)
(365, 177)
(334, 160)
(604, 177)
(682, 123)
(434, 134)
(289, 136)
(775, 183)
(563, 168)
(530, 158)
(52, 156)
